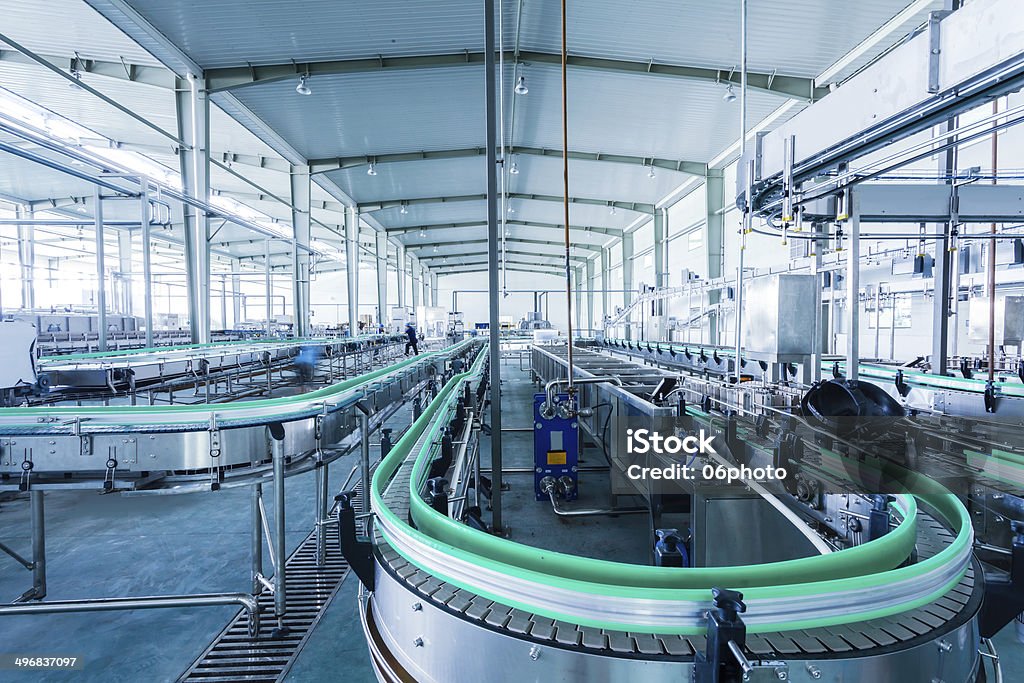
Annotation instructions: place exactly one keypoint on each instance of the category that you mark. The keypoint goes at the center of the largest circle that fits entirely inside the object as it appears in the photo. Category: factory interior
(508, 340)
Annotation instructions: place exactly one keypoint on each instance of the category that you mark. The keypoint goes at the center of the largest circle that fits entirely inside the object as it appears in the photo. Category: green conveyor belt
(868, 566)
(33, 413)
(868, 370)
(183, 347)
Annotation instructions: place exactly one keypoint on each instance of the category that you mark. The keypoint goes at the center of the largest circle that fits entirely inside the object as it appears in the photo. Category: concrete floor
(114, 546)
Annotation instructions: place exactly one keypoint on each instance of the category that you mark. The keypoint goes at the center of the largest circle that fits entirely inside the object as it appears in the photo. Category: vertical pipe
(101, 271)
(26, 258)
(750, 181)
(945, 264)
(605, 269)
(236, 292)
(38, 544)
(494, 350)
(321, 541)
(280, 597)
(992, 259)
(381, 243)
(813, 373)
(892, 328)
(878, 318)
(565, 204)
(853, 291)
(256, 538)
(352, 268)
(267, 286)
(364, 453)
(323, 514)
(147, 264)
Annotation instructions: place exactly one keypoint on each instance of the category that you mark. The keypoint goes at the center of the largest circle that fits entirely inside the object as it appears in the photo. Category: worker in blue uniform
(413, 341)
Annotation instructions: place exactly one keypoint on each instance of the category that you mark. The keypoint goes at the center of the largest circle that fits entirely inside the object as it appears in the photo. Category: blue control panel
(555, 447)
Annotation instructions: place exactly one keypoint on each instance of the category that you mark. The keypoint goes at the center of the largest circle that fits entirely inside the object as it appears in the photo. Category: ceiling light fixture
(302, 88)
(511, 210)
(75, 85)
(521, 88)
(611, 209)
(372, 170)
(404, 210)
(730, 94)
(515, 167)
(435, 248)
(650, 171)
(423, 233)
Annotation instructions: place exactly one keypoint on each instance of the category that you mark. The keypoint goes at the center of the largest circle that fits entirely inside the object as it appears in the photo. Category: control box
(555, 445)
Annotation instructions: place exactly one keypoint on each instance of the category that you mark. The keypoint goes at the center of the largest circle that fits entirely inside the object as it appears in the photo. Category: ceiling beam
(552, 268)
(227, 78)
(615, 232)
(341, 163)
(444, 270)
(121, 70)
(639, 207)
(518, 240)
(511, 252)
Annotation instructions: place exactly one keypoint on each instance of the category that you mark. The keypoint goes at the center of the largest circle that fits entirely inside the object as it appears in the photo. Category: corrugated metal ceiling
(219, 33)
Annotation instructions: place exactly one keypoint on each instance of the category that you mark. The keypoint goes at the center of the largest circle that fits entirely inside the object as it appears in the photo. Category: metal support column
(124, 269)
(425, 281)
(280, 550)
(433, 289)
(493, 269)
(414, 271)
(659, 255)
(320, 476)
(627, 277)
(364, 457)
(853, 291)
(590, 296)
(268, 292)
(606, 265)
(147, 263)
(381, 238)
(945, 262)
(37, 504)
(101, 271)
(300, 194)
(256, 537)
(812, 373)
(714, 243)
(747, 216)
(577, 275)
(401, 268)
(352, 267)
(26, 257)
(193, 116)
(236, 292)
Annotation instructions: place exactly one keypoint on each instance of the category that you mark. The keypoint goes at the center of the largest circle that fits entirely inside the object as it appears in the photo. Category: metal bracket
(935, 48)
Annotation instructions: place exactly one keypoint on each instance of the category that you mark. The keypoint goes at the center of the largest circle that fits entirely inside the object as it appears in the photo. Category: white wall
(473, 298)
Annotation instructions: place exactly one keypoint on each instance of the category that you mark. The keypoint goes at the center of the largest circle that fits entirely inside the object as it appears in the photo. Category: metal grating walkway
(234, 657)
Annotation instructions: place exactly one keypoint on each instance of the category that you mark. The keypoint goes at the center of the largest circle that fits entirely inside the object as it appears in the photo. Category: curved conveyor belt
(866, 598)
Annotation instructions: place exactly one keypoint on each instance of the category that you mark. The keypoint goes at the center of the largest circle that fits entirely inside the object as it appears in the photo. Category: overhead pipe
(565, 203)
(992, 258)
(494, 350)
(748, 214)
